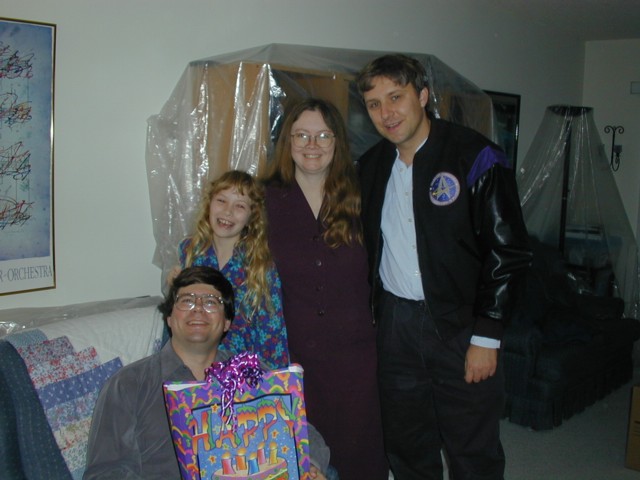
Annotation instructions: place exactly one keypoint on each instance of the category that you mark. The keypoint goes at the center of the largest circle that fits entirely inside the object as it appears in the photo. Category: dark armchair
(564, 350)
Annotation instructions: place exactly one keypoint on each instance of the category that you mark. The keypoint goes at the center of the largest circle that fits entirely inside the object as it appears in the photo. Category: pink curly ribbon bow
(233, 374)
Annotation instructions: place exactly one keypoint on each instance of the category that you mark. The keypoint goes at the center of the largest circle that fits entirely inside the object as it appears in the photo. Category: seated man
(130, 436)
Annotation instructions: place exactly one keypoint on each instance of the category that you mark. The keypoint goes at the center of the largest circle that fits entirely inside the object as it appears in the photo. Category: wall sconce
(616, 150)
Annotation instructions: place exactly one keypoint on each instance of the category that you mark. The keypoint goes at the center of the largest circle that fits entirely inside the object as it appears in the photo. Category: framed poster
(27, 61)
(506, 117)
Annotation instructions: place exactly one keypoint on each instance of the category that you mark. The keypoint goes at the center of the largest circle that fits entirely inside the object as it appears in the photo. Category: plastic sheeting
(15, 320)
(570, 200)
(226, 111)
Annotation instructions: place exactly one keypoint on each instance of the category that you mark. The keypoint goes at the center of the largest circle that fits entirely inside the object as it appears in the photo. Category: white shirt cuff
(485, 342)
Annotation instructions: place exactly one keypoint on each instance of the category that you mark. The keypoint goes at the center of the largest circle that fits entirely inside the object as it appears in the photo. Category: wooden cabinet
(239, 107)
(238, 100)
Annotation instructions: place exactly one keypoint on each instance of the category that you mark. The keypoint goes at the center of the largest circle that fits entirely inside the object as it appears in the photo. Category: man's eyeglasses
(323, 140)
(210, 303)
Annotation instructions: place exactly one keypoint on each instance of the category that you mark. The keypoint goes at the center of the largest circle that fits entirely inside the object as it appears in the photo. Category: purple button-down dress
(330, 333)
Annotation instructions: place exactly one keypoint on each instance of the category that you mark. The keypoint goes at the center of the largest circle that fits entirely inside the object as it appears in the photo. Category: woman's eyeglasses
(322, 140)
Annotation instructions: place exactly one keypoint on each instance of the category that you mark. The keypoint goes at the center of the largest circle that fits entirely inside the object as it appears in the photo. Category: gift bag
(259, 434)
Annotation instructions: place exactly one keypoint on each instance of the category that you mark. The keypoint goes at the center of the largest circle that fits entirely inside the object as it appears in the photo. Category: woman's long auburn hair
(253, 240)
(340, 211)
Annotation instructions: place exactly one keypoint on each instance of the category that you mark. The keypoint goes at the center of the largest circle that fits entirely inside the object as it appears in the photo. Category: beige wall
(118, 61)
(610, 67)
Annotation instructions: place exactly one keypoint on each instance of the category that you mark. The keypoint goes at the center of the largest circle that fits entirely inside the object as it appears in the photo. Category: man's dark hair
(400, 68)
(205, 275)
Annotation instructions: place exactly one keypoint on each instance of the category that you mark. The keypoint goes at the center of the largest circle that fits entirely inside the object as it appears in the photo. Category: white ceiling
(583, 19)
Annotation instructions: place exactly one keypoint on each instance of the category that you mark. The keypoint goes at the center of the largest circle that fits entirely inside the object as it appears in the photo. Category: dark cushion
(564, 326)
(34, 452)
(601, 309)
(10, 466)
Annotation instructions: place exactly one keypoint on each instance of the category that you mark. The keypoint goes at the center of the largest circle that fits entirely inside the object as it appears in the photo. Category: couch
(565, 348)
(54, 362)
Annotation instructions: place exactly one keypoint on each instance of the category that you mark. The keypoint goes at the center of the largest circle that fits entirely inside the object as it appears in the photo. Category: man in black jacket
(447, 244)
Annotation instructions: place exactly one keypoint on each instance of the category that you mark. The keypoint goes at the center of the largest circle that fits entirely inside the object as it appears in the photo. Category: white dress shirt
(399, 266)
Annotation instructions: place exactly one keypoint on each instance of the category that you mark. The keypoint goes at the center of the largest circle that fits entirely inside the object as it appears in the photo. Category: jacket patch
(444, 189)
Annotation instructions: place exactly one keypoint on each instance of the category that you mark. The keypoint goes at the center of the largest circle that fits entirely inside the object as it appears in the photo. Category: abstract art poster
(27, 69)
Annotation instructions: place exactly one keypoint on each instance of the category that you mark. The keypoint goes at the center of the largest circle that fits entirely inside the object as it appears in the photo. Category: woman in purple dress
(313, 207)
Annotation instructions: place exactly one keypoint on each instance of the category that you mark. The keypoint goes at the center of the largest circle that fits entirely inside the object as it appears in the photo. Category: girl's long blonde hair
(253, 243)
(340, 211)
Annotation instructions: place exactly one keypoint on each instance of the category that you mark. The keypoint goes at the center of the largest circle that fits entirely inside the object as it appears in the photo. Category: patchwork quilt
(69, 361)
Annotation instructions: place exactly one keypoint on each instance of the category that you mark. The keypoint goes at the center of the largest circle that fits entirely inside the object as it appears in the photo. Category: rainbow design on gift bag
(257, 465)
(269, 441)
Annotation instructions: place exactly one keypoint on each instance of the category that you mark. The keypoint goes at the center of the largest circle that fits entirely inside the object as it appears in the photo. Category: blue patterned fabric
(28, 448)
(67, 384)
(28, 337)
(50, 379)
(260, 333)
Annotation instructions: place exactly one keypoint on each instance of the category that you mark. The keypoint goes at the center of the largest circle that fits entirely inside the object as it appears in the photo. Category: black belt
(414, 303)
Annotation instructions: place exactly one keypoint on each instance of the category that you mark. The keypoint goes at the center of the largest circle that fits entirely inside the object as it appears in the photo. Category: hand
(316, 474)
(173, 273)
(480, 363)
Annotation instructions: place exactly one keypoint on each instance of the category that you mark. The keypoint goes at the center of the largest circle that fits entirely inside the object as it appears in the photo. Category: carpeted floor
(589, 446)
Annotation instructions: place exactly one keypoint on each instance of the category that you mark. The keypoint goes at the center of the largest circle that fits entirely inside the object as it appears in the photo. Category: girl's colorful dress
(263, 333)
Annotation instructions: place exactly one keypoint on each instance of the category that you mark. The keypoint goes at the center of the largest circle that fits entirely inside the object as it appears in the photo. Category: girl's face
(229, 213)
(310, 157)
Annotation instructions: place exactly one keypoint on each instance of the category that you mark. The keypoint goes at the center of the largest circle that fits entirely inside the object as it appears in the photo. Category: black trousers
(426, 404)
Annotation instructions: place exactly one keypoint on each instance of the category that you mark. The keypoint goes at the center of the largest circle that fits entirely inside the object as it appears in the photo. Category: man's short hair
(205, 275)
(400, 68)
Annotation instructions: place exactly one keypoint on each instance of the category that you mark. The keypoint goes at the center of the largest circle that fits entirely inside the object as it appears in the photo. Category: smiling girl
(231, 236)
